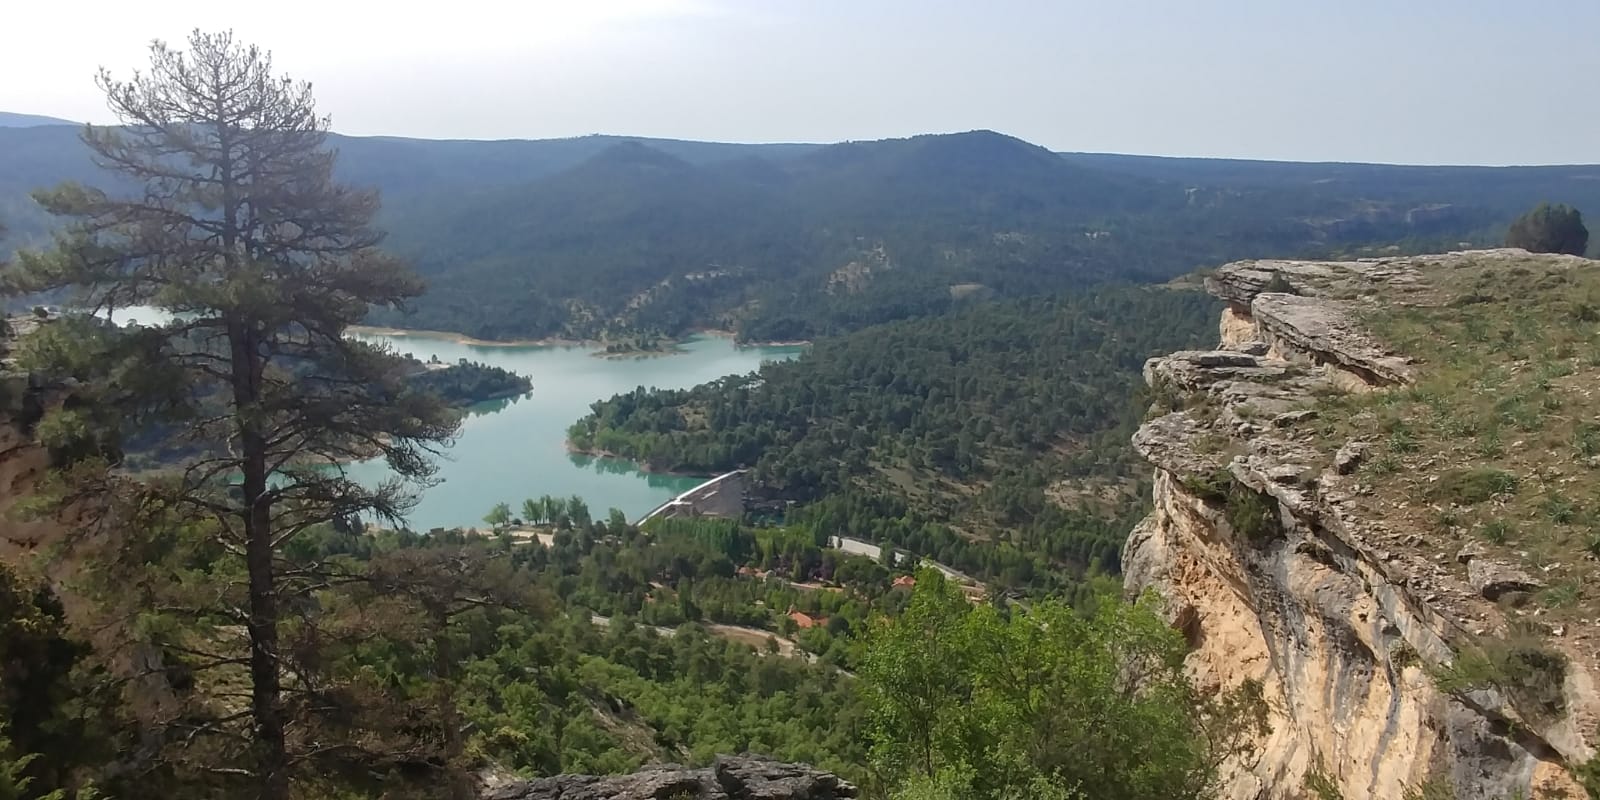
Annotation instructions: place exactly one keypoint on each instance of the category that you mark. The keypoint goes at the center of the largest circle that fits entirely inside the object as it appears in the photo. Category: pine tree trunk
(460, 786)
(265, 678)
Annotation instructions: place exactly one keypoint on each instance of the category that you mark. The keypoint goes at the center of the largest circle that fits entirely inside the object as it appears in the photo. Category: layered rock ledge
(1332, 603)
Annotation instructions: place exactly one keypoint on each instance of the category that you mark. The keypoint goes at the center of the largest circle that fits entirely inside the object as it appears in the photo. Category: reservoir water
(514, 449)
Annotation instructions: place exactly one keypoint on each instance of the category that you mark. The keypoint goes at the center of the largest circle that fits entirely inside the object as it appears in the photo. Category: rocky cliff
(1380, 497)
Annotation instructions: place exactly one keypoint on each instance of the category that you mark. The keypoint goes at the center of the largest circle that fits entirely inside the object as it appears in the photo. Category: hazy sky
(1417, 81)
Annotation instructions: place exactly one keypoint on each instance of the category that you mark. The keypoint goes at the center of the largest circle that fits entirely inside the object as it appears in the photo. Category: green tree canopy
(1550, 229)
(1045, 700)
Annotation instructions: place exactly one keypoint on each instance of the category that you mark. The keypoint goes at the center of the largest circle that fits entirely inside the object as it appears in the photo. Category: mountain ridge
(590, 235)
(9, 119)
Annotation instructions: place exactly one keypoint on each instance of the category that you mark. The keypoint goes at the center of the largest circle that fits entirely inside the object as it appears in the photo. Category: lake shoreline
(638, 465)
(511, 449)
(721, 333)
(461, 338)
(561, 341)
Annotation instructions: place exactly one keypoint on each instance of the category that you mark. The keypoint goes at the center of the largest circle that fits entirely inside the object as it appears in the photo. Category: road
(755, 637)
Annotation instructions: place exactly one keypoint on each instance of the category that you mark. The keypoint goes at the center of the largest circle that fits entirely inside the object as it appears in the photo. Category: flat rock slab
(1327, 330)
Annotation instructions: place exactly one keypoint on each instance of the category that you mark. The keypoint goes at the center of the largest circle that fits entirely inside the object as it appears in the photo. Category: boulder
(1492, 579)
(1349, 457)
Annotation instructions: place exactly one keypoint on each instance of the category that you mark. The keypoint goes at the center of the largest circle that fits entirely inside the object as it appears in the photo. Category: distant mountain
(836, 237)
(410, 172)
(1503, 189)
(10, 120)
(525, 238)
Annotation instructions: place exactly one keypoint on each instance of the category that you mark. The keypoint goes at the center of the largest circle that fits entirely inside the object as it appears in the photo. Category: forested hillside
(580, 237)
(994, 439)
(852, 234)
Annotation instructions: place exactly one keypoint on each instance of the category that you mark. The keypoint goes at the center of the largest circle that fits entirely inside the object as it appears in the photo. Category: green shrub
(1549, 229)
(1320, 786)
(1589, 775)
(1472, 485)
(1434, 788)
(1533, 675)
(1560, 595)
(1211, 488)
(1586, 440)
(1401, 441)
(1496, 531)
(1529, 672)
(1384, 464)
(1278, 285)
(1489, 445)
(1559, 509)
(1253, 514)
(1446, 520)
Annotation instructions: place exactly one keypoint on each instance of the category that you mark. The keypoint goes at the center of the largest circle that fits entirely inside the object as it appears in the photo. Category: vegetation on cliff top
(1550, 229)
(1495, 451)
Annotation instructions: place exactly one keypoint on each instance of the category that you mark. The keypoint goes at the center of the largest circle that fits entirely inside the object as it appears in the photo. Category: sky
(1395, 81)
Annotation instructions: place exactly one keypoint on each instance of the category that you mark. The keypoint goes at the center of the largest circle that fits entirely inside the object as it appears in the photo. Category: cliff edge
(1380, 496)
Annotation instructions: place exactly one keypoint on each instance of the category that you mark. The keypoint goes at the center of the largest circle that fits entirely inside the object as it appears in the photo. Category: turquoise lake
(514, 449)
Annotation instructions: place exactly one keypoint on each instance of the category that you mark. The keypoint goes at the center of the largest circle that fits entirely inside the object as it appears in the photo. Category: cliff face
(1287, 540)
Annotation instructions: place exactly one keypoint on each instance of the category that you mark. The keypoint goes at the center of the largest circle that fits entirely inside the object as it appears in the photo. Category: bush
(1589, 775)
(1550, 229)
(1471, 486)
(1530, 673)
(1253, 514)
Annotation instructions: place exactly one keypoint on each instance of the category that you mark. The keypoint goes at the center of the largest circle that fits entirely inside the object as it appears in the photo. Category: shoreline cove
(517, 448)
(638, 465)
(560, 341)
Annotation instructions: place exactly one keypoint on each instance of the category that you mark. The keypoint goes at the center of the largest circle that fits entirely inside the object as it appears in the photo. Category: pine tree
(236, 227)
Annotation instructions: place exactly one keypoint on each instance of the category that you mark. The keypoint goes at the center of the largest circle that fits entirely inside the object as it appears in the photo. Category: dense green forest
(945, 435)
(504, 636)
(467, 382)
(846, 235)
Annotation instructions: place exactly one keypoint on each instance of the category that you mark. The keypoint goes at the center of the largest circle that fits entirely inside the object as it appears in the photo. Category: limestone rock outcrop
(730, 778)
(1334, 610)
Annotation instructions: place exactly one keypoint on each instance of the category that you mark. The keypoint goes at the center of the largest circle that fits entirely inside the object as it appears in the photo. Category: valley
(916, 466)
